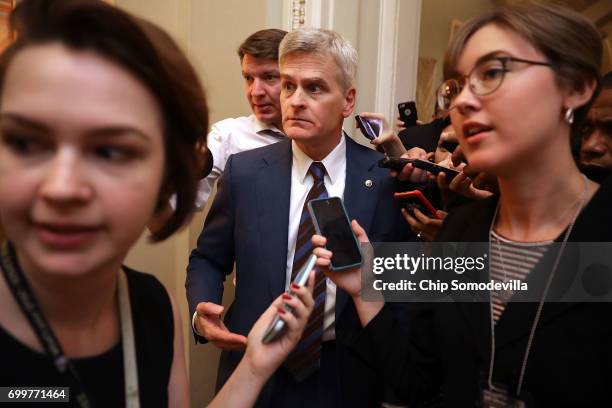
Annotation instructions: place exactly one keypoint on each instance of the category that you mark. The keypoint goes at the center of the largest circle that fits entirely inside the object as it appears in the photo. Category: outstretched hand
(209, 324)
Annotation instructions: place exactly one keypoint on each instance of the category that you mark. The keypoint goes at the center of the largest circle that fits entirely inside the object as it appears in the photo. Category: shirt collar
(333, 161)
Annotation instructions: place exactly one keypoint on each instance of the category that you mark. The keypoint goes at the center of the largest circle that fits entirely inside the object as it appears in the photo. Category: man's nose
(257, 87)
(594, 143)
(297, 98)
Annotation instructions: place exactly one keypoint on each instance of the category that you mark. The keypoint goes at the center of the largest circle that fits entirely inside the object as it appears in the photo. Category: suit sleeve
(213, 258)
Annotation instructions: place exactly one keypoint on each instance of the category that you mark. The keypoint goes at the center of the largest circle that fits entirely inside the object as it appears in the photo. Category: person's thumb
(209, 309)
(359, 232)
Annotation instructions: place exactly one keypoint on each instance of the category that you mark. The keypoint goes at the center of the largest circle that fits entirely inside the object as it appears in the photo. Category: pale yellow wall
(217, 29)
(436, 17)
(367, 42)
(209, 31)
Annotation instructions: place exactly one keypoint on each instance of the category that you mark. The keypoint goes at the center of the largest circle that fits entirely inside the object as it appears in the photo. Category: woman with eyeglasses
(519, 80)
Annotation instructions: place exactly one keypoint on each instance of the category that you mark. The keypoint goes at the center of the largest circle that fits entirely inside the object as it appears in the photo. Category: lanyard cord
(23, 295)
(541, 303)
(130, 368)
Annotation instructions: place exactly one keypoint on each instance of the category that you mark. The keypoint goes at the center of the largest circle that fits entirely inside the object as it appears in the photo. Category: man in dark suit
(255, 222)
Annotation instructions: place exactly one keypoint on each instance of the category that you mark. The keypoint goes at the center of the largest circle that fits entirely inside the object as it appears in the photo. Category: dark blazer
(445, 358)
(248, 224)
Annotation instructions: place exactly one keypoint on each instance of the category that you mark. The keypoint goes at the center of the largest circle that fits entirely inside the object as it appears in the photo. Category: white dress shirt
(301, 183)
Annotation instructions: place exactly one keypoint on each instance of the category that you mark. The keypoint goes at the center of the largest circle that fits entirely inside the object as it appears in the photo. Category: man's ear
(349, 102)
(576, 97)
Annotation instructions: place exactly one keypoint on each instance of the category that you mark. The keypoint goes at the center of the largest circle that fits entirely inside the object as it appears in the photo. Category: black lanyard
(23, 295)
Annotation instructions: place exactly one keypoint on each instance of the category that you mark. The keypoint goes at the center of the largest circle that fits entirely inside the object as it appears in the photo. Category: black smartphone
(370, 128)
(408, 113)
(393, 163)
(331, 220)
(416, 199)
(434, 168)
(398, 163)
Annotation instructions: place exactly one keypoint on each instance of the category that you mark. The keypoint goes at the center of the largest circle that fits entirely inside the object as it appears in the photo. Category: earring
(569, 116)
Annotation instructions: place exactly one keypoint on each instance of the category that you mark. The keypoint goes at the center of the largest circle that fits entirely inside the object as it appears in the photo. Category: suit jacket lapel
(478, 315)
(273, 192)
(359, 200)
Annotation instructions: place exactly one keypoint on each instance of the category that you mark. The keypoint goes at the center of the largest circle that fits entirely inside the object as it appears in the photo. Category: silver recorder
(278, 327)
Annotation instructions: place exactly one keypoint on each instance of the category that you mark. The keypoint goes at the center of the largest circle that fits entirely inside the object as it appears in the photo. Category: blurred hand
(469, 183)
(209, 324)
(264, 359)
(426, 227)
(399, 124)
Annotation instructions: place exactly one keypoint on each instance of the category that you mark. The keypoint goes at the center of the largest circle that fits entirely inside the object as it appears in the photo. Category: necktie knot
(273, 133)
(317, 170)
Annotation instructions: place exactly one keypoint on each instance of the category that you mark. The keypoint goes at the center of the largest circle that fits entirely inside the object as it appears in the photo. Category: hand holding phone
(350, 279)
(427, 222)
(394, 163)
(398, 163)
(331, 221)
(408, 113)
(278, 326)
(371, 128)
(416, 199)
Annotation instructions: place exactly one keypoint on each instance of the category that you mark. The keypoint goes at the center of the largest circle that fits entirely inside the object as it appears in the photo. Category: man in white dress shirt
(259, 60)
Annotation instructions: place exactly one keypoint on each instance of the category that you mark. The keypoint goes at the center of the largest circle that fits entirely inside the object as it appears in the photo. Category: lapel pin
(368, 183)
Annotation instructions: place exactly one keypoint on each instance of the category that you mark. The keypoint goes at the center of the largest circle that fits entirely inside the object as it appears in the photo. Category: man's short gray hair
(321, 41)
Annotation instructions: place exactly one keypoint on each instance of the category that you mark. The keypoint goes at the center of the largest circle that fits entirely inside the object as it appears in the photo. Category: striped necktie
(270, 132)
(305, 357)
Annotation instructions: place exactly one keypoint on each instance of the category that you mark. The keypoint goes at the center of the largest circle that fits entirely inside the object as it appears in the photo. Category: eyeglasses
(486, 77)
